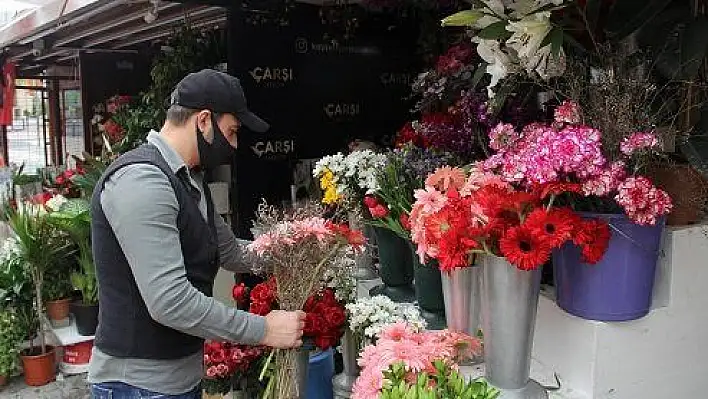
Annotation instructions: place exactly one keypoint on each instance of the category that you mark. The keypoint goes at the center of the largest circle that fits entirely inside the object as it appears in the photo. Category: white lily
(499, 63)
(545, 64)
(528, 34)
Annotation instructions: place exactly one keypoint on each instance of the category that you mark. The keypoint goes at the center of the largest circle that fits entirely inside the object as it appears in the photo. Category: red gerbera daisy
(555, 226)
(593, 238)
(556, 188)
(524, 249)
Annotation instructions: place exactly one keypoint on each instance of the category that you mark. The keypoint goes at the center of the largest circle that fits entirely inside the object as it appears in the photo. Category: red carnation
(524, 249)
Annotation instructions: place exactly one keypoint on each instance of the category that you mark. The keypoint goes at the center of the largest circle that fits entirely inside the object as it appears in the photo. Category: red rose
(68, 173)
(328, 297)
(370, 201)
(60, 180)
(262, 293)
(240, 293)
(259, 308)
(335, 316)
(313, 324)
(310, 304)
(379, 211)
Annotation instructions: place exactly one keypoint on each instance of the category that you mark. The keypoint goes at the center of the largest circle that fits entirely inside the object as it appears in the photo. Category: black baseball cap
(218, 92)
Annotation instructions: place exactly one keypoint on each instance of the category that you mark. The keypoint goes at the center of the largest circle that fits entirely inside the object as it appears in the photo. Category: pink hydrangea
(607, 181)
(639, 141)
(568, 112)
(502, 136)
(643, 202)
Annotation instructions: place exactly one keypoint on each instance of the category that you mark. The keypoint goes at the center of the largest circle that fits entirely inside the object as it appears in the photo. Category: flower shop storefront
(465, 201)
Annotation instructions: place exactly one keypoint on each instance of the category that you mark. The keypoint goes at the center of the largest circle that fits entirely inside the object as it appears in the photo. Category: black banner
(104, 75)
(318, 94)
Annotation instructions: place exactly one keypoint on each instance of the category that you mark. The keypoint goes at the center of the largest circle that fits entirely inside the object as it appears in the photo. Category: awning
(56, 32)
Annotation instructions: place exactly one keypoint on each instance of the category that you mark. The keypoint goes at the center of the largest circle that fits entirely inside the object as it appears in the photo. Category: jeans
(119, 390)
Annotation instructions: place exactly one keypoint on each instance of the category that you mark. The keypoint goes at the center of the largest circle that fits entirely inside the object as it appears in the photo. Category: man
(157, 245)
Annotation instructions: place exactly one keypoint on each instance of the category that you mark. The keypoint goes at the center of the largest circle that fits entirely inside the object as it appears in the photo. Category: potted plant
(57, 291)
(11, 335)
(39, 249)
(74, 218)
(16, 292)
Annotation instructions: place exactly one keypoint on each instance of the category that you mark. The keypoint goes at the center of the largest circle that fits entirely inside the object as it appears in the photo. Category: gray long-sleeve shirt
(142, 209)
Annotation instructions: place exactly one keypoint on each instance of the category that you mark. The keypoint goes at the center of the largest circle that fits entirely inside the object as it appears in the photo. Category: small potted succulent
(11, 334)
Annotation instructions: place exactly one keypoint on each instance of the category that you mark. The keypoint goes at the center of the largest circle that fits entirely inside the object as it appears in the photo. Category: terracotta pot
(688, 190)
(3, 380)
(39, 368)
(58, 310)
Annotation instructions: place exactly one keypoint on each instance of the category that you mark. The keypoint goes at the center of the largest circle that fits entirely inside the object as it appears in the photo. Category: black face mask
(217, 153)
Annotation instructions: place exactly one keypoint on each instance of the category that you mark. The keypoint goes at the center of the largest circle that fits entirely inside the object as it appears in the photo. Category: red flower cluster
(454, 59)
(223, 360)
(377, 209)
(240, 294)
(325, 317)
(355, 238)
(408, 134)
(514, 224)
(64, 182)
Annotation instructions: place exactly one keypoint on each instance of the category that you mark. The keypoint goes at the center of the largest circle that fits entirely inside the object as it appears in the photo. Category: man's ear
(203, 120)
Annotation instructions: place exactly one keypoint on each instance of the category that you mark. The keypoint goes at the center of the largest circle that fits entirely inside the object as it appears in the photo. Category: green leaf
(462, 18)
(495, 31)
(556, 35)
(479, 73)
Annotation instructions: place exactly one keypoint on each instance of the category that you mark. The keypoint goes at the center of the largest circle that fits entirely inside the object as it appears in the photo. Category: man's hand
(284, 329)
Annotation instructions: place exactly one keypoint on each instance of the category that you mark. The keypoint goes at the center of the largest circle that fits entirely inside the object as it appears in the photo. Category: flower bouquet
(345, 180)
(402, 355)
(227, 365)
(297, 249)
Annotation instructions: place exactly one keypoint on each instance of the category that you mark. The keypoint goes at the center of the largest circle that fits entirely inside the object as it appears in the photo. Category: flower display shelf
(662, 354)
(539, 372)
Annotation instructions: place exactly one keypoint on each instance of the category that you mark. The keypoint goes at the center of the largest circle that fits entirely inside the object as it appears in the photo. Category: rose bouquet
(226, 365)
(408, 353)
(296, 249)
(325, 317)
(368, 317)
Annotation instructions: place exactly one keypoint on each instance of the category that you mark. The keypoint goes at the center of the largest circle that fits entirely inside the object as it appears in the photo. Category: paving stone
(70, 387)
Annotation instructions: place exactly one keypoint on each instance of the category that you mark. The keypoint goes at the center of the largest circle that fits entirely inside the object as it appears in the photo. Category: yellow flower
(329, 186)
(331, 196)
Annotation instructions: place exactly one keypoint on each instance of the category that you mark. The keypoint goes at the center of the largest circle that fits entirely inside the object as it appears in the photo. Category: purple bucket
(620, 286)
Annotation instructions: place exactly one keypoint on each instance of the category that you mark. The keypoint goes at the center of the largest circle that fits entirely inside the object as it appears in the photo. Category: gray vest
(125, 328)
